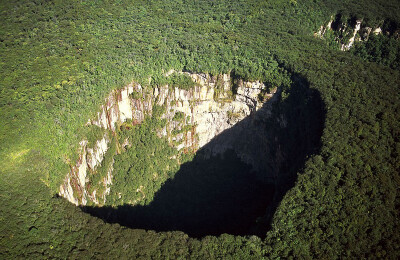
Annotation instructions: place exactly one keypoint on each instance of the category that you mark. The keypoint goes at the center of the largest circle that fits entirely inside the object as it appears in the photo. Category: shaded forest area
(206, 197)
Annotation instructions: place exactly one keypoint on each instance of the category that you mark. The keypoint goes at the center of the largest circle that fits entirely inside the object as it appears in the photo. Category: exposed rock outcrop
(348, 32)
(208, 108)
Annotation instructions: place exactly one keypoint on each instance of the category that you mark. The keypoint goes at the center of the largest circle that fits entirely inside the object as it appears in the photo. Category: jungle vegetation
(60, 59)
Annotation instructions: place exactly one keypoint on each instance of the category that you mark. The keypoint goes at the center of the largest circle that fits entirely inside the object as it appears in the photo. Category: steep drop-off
(238, 177)
(207, 109)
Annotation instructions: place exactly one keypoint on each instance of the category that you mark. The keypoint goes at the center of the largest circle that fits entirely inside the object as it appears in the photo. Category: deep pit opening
(208, 196)
(236, 181)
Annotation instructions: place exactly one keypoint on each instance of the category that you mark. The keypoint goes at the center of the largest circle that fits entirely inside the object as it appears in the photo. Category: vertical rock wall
(346, 34)
(209, 108)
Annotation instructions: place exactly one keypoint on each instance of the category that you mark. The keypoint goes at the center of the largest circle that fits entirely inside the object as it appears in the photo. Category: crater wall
(213, 105)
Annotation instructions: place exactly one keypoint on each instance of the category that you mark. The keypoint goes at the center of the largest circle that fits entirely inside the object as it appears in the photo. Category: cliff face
(206, 110)
(346, 32)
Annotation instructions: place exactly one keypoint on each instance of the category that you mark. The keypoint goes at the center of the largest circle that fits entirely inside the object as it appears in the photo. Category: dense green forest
(380, 49)
(60, 59)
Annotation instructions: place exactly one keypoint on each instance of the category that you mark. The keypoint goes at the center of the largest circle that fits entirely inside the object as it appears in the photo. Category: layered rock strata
(209, 108)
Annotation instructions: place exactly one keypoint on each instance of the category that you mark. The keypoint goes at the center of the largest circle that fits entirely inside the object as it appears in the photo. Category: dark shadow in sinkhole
(237, 180)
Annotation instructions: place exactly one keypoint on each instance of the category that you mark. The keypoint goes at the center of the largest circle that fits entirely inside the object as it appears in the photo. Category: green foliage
(93, 133)
(178, 80)
(59, 60)
(136, 95)
(179, 116)
(381, 49)
(143, 167)
(182, 81)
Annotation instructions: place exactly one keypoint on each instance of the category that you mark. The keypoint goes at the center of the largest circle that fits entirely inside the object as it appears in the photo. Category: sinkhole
(235, 182)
